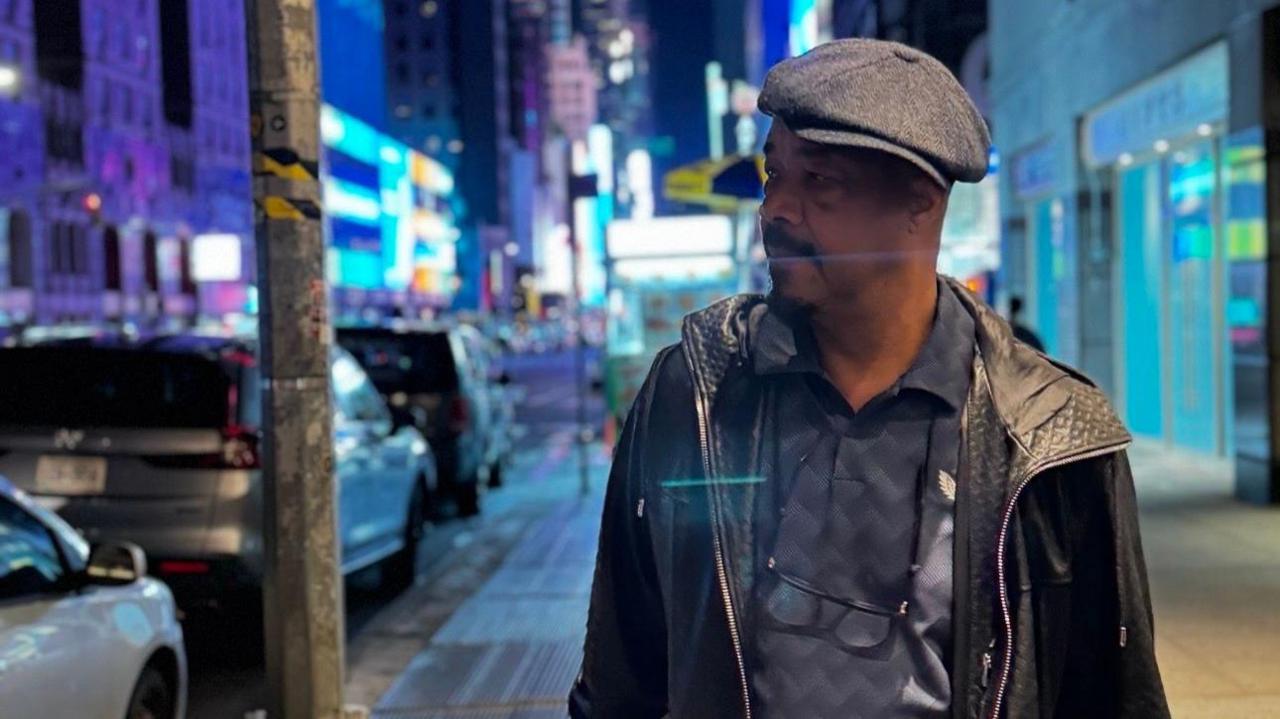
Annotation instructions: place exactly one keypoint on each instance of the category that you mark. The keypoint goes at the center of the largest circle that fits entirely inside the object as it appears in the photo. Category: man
(1020, 330)
(860, 497)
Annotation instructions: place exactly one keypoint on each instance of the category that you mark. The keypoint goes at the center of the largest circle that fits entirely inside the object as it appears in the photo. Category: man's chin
(782, 296)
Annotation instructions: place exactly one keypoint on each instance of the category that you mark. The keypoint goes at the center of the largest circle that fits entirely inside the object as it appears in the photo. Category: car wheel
(402, 568)
(152, 696)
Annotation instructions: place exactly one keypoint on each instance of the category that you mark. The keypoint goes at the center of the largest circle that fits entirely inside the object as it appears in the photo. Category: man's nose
(780, 205)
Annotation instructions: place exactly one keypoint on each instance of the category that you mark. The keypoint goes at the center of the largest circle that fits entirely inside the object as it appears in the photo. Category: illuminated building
(390, 227)
(115, 129)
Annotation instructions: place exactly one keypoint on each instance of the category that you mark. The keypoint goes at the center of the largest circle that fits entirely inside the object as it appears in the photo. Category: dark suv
(429, 372)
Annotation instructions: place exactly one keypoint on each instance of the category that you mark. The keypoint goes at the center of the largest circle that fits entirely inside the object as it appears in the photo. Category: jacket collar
(1027, 388)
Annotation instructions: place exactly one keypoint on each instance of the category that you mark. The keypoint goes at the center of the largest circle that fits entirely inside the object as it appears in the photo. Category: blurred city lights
(216, 258)
(10, 79)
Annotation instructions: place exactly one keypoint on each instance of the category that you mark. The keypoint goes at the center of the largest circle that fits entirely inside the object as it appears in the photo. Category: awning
(718, 184)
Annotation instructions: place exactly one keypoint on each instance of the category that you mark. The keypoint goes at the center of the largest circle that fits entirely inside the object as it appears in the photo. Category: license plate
(71, 475)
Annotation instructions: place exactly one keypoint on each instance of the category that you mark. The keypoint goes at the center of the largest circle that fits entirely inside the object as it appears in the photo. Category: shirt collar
(778, 346)
(945, 361)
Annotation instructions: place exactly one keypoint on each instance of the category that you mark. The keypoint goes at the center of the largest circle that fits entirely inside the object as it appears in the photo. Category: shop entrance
(1173, 353)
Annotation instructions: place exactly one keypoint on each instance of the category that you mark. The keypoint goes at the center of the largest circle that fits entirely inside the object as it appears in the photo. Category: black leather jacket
(1051, 612)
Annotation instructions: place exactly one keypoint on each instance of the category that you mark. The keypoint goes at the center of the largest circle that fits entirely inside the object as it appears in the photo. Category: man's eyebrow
(815, 150)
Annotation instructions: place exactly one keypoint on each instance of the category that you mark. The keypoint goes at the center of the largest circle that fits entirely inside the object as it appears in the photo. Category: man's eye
(818, 178)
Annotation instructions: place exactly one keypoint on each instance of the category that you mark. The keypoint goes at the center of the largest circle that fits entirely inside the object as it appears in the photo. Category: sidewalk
(1214, 567)
(511, 649)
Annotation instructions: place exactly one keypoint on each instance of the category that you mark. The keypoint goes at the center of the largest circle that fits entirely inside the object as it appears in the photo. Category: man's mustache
(781, 246)
(780, 243)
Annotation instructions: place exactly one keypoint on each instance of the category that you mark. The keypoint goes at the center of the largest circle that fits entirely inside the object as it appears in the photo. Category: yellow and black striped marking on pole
(283, 208)
(284, 163)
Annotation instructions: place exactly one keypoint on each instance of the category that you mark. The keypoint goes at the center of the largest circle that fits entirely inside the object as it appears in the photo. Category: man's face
(838, 222)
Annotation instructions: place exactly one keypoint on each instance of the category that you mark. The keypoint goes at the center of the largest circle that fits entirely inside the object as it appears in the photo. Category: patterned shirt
(851, 612)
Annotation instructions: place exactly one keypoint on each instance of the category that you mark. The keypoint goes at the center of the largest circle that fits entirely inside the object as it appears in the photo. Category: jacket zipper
(721, 574)
(1007, 616)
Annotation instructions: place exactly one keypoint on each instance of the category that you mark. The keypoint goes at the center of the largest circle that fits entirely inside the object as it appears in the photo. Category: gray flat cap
(883, 96)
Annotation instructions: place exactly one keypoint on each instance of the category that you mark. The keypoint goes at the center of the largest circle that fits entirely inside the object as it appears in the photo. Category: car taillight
(182, 567)
(459, 414)
(239, 450)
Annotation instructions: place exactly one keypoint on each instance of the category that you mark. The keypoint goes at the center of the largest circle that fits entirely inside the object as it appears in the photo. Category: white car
(84, 635)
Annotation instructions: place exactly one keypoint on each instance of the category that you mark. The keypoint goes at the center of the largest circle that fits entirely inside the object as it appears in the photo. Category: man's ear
(927, 204)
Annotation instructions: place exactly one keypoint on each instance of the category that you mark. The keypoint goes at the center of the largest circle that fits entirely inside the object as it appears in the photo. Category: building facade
(21, 162)
(1135, 211)
(421, 97)
(447, 67)
(115, 129)
(125, 187)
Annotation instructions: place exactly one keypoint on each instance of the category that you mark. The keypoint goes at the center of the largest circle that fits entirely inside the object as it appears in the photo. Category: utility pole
(302, 589)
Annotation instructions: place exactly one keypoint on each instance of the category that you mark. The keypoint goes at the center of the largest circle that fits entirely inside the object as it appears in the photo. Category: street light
(10, 78)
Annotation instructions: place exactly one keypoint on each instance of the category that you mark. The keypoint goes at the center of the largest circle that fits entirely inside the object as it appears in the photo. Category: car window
(354, 395)
(98, 387)
(250, 397)
(29, 560)
(416, 362)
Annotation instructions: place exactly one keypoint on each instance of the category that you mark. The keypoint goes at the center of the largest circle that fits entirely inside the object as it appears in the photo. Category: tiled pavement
(511, 650)
(1214, 566)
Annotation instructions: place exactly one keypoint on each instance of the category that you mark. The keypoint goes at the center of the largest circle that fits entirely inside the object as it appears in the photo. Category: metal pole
(302, 590)
(579, 357)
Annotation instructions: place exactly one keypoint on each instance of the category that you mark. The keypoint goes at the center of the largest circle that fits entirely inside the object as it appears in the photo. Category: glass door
(1141, 348)
(1047, 260)
(1195, 333)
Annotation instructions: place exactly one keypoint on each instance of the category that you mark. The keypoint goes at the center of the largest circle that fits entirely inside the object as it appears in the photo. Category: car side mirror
(116, 564)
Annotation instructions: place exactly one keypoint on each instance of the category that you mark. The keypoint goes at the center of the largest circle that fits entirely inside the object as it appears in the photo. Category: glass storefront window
(1245, 225)
(1141, 352)
(1174, 354)
(1053, 297)
(1195, 339)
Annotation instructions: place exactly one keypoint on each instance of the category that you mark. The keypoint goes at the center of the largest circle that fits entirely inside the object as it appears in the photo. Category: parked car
(158, 443)
(82, 634)
(485, 362)
(429, 372)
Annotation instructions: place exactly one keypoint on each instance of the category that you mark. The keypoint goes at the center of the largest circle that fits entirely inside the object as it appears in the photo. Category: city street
(196, 195)
(459, 592)
(494, 626)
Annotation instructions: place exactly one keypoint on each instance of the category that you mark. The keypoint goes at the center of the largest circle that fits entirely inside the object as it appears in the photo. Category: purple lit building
(120, 144)
(21, 160)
